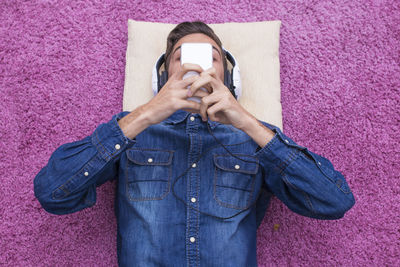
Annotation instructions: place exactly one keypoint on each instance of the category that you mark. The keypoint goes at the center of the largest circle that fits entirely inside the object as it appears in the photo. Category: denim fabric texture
(154, 227)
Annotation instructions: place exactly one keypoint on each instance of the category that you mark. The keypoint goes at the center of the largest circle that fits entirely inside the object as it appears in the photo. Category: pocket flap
(150, 156)
(229, 163)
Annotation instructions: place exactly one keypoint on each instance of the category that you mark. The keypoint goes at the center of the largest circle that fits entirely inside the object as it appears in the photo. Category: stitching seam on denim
(64, 185)
(306, 196)
(267, 147)
(198, 206)
(131, 152)
(224, 204)
(104, 152)
(286, 180)
(256, 161)
(309, 202)
(188, 210)
(115, 152)
(292, 156)
(128, 183)
(119, 130)
(332, 179)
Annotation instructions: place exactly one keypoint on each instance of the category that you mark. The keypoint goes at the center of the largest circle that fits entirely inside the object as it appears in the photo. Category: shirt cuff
(280, 151)
(109, 139)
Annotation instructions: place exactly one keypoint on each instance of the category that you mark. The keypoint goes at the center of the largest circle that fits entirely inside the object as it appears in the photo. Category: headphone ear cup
(163, 80)
(228, 81)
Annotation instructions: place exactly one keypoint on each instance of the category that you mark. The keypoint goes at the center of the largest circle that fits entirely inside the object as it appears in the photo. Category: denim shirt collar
(180, 115)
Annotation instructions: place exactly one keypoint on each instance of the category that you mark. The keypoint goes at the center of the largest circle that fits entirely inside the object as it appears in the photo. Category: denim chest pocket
(234, 180)
(148, 173)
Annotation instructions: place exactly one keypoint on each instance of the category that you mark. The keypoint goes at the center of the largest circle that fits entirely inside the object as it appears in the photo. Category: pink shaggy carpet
(62, 74)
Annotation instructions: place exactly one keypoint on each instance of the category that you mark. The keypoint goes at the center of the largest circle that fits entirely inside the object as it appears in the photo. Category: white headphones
(231, 78)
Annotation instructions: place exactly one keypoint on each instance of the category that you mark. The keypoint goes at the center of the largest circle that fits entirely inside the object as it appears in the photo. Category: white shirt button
(150, 160)
(287, 142)
(117, 146)
(191, 118)
(193, 199)
(192, 239)
(319, 163)
(194, 165)
(86, 173)
(237, 167)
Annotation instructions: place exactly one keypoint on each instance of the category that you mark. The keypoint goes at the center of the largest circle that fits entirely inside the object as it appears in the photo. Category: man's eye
(178, 58)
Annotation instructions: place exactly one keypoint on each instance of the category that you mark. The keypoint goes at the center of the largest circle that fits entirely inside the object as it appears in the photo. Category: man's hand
(220, 105)
(173, 96)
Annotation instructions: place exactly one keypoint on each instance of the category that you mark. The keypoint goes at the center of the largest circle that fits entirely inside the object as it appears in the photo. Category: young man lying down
(194, 179)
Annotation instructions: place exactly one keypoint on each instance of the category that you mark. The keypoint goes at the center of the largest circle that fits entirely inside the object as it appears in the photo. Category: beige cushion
(255, 46)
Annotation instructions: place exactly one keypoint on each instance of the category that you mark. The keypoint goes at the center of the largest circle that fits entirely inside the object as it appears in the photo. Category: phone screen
(197, 53)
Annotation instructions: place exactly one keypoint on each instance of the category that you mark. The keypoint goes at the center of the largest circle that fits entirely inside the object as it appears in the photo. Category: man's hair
(186, 28)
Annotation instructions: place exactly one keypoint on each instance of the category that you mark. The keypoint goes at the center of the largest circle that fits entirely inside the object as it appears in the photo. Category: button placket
(193, 186)
(193, 189)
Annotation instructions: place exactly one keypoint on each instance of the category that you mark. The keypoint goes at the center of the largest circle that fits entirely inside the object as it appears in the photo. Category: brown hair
(186, 28)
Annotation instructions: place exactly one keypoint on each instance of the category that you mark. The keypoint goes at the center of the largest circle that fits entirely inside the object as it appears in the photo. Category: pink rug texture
(62, 68)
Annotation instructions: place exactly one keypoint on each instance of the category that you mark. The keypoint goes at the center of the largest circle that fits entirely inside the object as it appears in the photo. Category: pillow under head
(255, 46)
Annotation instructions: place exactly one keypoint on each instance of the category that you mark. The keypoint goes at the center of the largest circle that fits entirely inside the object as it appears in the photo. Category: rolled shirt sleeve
(305, 182)
(68, 181)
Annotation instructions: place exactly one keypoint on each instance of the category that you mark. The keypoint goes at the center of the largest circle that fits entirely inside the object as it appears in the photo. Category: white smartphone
(196, 53)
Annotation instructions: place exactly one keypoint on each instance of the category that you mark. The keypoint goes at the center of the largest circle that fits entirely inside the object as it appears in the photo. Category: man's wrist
(257, 131)
(135, 122)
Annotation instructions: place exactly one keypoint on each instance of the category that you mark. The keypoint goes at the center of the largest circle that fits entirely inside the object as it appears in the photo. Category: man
(186, 197)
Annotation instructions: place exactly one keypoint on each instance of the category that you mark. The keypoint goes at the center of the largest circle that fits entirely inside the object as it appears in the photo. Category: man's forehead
(213, 47)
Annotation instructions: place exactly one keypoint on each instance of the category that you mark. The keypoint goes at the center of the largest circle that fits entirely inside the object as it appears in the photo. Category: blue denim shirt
(210, 215)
